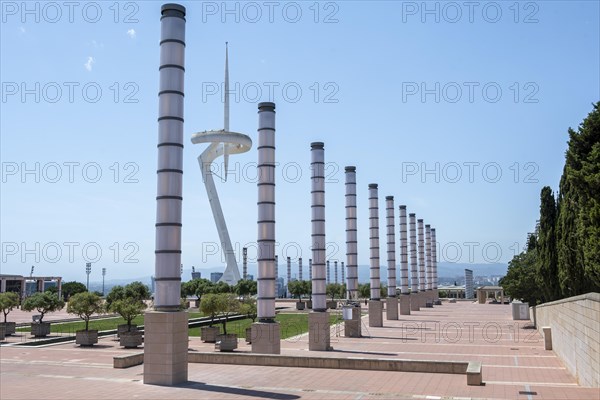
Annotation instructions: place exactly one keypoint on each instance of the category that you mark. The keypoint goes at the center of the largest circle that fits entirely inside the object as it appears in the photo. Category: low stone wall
(575, 330)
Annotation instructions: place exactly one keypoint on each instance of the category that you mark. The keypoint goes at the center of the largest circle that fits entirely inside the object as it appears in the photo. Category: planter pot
(40, 329)
(131, 340)
(332, 304)
(249, 335)
(9, 328)
(226, 342)
(300, 305)
(123, 328)
(2, 333)
(209, 334)
(86, 338)
(309, 304)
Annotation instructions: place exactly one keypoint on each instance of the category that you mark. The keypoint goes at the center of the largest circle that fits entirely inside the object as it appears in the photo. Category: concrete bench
(547, 332)
(128, 360)
(474, 375)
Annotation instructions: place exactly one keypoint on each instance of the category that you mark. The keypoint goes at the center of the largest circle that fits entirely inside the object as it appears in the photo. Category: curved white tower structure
(221, 143)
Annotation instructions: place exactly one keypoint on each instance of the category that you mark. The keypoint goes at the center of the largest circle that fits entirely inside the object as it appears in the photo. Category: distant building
(215, 276)
(250, 277)
(280, 287)
(27, 285)
(196, 275)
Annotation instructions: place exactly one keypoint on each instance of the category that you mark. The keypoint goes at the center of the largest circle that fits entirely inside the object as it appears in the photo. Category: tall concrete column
(166, 332)
(310, 267)
(343, 271)
(276, 271)
(2, 285)
(328, 281)
(266, 334)
(428, 265)
(59, 284)
(391, 306)
(375, 304)
(289, 270)
(436, 294)
(421, 233)
(351, 234)
(318, 319)
(414, 277)
(245, 263)
(405, 293)
(300, 268)
(335, 272)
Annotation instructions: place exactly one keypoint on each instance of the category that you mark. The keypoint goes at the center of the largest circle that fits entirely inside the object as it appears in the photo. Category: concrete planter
(86, 338)
(2, 333)
(309, 304)
(123, 328)
(40, 329)
(131, 340)
(300, 305)
(226, 342)
(332, 304)
(249, 335)
(10, 328)
(208, 334)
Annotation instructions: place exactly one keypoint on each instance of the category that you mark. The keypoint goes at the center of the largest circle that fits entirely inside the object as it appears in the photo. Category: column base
(266, 338)
(415, 304)
(422, 299)
(391, 308)
(375, 313)
(165, 347)
(352, 328)
(404, 304)
(318, 331)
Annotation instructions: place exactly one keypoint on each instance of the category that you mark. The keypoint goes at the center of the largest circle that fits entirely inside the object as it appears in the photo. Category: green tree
(296, 289)
(85, 305)
(364, 290)
(579, 209)
(520, 280)
(43, 303)
(245, 288)
(137, 290)
(335, 290)
(227, 305)
(248, 308)
(546, 263)
(116, 293)
(221, 287)
(209, 305)
(71, 288)
(8, 301)
(128, 309)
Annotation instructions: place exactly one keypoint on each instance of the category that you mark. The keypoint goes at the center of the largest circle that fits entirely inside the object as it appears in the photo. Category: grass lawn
(291, 325)
(101, 325)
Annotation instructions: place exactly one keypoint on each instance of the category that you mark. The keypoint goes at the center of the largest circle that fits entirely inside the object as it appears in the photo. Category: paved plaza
(515, 365)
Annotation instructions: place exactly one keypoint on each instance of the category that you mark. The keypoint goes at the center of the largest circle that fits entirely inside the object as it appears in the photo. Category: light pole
(103, 275)
(88, 270)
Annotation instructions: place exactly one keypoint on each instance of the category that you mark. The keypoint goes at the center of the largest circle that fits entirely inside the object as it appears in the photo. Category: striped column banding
(335, 271)
(434, 259)
(403, 252)
(374, 241)
(310, 269)
(328, 273)
(318, 225)
(300, 268)
(421, 256)
(245, 263)
(391, 246)
(266, 213)
(289, 270)
(342, 269)
(276, 267)
(351, 234)
(428, 257)
(170, 159)
(414, 278)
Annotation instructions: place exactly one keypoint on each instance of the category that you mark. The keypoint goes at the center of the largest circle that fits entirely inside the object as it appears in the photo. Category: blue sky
(481, 97)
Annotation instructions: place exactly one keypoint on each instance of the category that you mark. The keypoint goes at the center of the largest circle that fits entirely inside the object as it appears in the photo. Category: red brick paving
(513, 360)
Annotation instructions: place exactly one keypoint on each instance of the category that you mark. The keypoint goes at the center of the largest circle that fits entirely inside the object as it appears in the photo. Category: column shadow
(236, 391)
